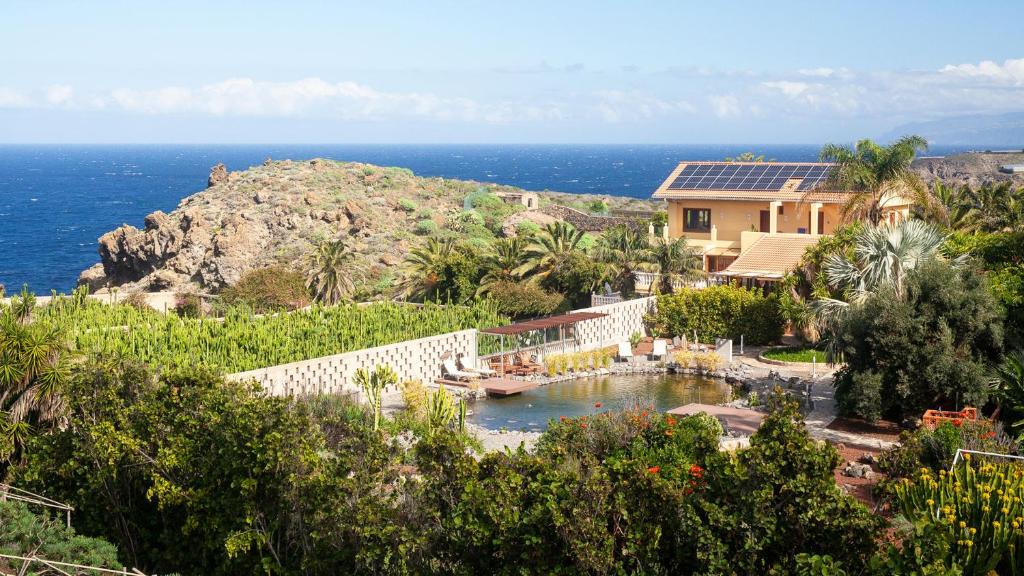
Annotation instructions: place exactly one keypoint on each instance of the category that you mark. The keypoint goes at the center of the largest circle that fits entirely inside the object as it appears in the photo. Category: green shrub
(527, 229)
(719, 312)
(934, 347)
(407, 205)
(524, 299)
(269, 289)
(426, 227)
(24, 533)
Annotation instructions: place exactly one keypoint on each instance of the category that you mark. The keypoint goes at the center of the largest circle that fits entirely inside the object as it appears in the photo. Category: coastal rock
(276, 214)
(218, 174)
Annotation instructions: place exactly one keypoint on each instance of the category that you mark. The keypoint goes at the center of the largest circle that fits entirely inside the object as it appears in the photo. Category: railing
(60, 567)
(8, 492)
(602, 299)
(646, 280)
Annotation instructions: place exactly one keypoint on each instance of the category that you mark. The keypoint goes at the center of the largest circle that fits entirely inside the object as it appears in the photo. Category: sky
(556, 71)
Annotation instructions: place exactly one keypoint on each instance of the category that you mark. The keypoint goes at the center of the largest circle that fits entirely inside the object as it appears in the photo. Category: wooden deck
(740, 420)
(495, 386)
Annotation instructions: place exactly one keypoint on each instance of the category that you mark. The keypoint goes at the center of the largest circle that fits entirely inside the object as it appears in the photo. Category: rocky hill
(974, 168)
(276, 213)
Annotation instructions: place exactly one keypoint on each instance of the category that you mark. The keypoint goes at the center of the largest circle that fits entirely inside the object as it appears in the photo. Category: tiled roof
(772, 256)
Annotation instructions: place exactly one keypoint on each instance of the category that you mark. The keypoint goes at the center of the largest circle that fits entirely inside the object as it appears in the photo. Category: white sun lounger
(471, 366)
(453, 372)
(625, 351)
(660, 349)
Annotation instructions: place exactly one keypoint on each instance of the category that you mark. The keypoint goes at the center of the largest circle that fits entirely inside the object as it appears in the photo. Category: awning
(542, 323)
(771, 257)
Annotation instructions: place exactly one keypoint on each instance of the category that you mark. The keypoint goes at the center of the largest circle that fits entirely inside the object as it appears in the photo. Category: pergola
(559, 321)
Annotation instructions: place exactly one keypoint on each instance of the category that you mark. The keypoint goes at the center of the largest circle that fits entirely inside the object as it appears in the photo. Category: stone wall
(584, 221)
(412, 360)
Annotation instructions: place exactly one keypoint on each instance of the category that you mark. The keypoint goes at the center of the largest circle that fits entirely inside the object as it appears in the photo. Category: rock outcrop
(974, 169)
(277, 213)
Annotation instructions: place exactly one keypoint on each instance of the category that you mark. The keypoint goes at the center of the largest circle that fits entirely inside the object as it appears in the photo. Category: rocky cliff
(277, 213)
(973, 168)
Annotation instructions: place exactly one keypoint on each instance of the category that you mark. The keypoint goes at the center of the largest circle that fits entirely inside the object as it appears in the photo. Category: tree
(551, 245)
(675, 260)
(873, 174)
(747, 157)
(932, 347)
(574, 275)
(442, 270)
(331, 271)
(625, 251)
(501, 264)
(1009, 390)
(34, 363)
(882, 257)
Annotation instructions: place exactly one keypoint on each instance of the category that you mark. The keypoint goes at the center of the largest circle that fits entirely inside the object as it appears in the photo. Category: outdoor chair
(625, 351)
(471, 366)
(527, 365)
(660, 350)
(451, 371)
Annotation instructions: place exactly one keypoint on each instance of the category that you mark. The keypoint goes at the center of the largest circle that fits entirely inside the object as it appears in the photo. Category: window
(696, 220)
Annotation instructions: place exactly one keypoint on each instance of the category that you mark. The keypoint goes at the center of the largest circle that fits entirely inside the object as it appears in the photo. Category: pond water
(532, 409)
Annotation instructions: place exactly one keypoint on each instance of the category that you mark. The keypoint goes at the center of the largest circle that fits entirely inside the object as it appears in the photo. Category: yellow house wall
(731, 218)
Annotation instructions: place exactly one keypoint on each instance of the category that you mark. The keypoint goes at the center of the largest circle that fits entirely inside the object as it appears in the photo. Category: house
(752, 221)
(531, 200)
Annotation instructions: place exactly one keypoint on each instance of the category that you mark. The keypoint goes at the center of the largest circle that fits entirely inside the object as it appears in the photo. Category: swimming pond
(532, 409)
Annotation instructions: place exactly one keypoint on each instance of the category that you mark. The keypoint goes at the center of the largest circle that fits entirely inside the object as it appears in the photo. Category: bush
(269, 289)
(527, 229)
(407, 205)
(719, 312)
(188, 305)
(23, 533)
(137, 300)
(933, 348)
(426, 227)
(576, 276)
(522, 299)
(683, 358)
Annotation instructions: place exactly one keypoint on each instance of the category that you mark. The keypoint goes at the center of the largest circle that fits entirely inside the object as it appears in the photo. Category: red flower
(696, 471)
(958, 422)
(670, 421)
(990, 434)
(644, 414)
(583, 425)
(597, 404)
(561, 418)
(654, 469)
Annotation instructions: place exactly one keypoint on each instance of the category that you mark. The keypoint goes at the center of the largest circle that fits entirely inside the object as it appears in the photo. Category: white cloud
(59, 94)
(11, 98)
(614, 106)
(725, 106)
(819, 72)
(787, 87)
(1009, 72)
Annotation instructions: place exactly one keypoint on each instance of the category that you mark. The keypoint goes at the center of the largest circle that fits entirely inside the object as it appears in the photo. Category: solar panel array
(765, 176)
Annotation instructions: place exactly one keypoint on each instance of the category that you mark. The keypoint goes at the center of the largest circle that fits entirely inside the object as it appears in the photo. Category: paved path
(823, 401)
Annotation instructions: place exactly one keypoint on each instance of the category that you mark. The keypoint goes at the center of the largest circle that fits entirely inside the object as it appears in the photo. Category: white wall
(421, 359)
(411, 360)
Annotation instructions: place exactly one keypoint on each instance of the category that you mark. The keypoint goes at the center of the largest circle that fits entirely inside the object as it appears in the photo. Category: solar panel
(766, 176)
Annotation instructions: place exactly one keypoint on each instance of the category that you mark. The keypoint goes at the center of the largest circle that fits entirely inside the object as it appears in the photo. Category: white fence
(645, 281)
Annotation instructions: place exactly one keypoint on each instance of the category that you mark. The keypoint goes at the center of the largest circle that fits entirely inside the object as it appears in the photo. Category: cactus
(373, 385)
(440, 410)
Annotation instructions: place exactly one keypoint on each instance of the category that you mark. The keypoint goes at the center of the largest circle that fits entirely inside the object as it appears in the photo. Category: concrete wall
(624, 318)
(421, 359)
(412, 360)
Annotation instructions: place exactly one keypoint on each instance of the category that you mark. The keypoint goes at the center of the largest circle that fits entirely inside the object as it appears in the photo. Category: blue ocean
(55, 201)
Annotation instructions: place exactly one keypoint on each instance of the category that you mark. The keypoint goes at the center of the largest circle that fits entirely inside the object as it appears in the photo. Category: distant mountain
(982, 130)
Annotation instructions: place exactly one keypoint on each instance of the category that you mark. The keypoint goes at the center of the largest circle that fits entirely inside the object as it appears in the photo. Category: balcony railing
(646, 280)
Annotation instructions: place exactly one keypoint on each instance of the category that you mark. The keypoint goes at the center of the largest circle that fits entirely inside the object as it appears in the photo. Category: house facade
(752, 221)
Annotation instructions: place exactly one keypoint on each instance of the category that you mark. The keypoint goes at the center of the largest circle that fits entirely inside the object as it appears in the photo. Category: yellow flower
(973, 530)
(969, 543)
(931, 502)
(963, 524)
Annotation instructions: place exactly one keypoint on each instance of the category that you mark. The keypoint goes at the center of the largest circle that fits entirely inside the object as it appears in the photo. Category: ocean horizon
(56, 200)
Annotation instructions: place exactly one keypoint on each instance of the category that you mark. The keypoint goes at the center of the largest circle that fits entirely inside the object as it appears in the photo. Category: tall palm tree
(34, 364)
(953, 208)
(883, 255)
(997, 208)
(424, 266)
(626, 251)
(675, 260)
(552, 243)
(507, 255)
(874, 174)
(331, 272)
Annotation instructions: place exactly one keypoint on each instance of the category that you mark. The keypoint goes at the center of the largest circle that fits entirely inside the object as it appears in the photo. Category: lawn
(795, 354)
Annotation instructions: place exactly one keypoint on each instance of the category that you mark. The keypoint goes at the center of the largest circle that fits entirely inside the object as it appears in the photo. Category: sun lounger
(527, 365)
(470, 366)
(660, 349)
(625, 351)
(451, 371)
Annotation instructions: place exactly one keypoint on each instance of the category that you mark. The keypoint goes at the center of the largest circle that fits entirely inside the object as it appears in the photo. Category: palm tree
(331, 271)
(424, 266)
(626, 251)
(883, 255)
(34, 364)
(873, 174)
(1010, 387)
(552, 243)
(501, 264)
(997, 208)
(675, 260)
